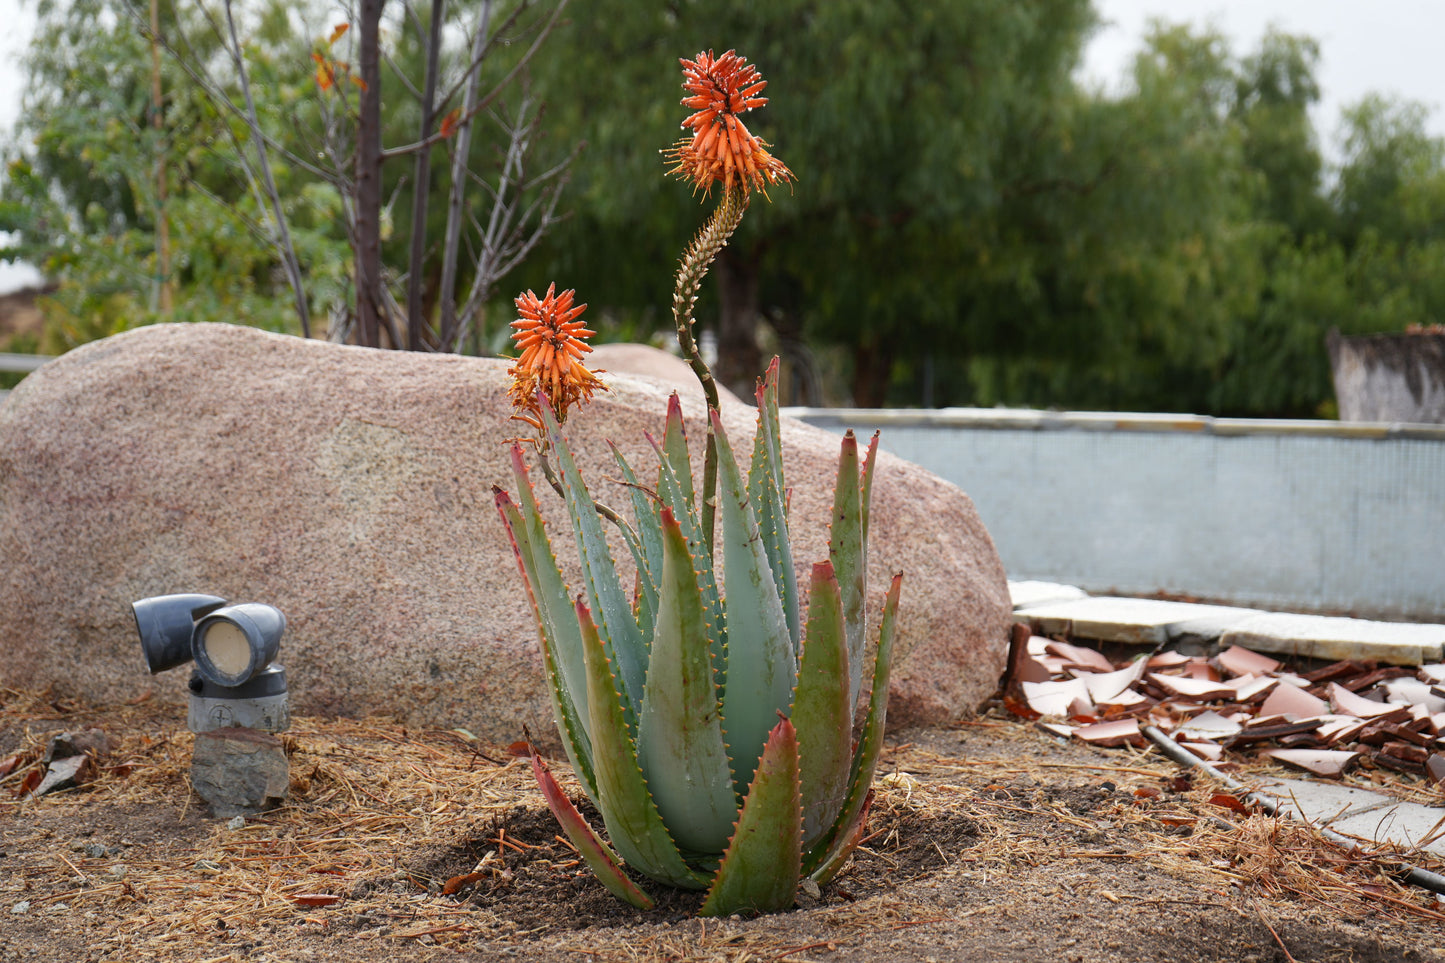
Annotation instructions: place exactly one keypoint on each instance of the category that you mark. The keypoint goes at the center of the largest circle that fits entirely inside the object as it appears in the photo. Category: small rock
(95, 850)
(67, 773)
(208, 867)
(119, 870)
(77, 845)
(20, 908)
(91, 742)
(239, 772)
(236, 822)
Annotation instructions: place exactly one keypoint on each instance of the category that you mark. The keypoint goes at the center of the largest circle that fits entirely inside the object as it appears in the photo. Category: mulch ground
(989, 841)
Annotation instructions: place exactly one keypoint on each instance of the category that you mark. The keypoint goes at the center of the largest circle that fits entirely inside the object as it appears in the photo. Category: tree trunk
(872, 370)
(739, 360)
(368, 178)
(415, 277)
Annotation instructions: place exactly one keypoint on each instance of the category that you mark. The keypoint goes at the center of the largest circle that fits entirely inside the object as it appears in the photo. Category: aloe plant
(709, 719)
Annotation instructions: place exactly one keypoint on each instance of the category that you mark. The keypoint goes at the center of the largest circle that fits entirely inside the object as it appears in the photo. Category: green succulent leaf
(768, 493)
(680, 738)
(556, 623)
(865, 759)
(632, 820)
(673, 468)
(760, 869)
(621, 636)
(845, 551)
(674, 447)
(821, 711)
(594, 852)
(646, 548)
(760, 663)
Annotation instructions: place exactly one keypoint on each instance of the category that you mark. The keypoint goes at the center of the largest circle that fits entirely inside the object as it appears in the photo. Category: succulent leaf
(674, 447)
(767, 492)
(680, 738)
(647, 547)
(672, 469)
(760, 869)
(556, 625)
(632, 820)
(821, 712)
(865, 758)
(845, 551)
(618, 629)
(760, 663)
(594, 852)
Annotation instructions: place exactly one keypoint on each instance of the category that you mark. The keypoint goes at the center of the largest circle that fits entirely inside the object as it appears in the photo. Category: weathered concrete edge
(1405, 648)
(1027, 419)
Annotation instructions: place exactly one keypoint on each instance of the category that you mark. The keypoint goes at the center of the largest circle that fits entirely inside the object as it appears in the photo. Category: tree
(900, 120)
(263, 122)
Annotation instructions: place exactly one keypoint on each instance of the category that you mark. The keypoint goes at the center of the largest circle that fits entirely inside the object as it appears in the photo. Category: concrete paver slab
(1407, 825)
(1137, 621)
(1323, 803)
(1039, 593)
(1326, 637)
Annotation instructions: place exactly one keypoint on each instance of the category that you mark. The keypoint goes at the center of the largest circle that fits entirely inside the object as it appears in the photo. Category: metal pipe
(1409, 873)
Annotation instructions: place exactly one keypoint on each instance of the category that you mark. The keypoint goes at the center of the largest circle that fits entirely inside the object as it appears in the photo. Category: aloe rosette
(713, 732)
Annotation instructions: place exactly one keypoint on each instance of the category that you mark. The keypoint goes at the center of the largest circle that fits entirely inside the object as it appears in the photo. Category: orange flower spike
(721, 146)
(551, 341)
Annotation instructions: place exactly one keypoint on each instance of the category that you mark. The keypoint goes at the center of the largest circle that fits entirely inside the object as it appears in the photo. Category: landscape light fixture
(234, 683)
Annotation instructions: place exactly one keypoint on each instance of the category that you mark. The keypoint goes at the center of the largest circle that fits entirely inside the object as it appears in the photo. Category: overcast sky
(1388, 46)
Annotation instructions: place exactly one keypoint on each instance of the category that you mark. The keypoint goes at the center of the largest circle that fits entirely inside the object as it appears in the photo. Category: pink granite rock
(352, 489)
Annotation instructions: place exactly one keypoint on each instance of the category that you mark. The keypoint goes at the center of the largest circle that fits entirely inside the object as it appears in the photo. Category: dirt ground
(990, 841)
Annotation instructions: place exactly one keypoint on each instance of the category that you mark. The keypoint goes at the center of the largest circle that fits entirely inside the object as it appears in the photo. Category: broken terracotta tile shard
(1106, 686)
(1120, 733)
(1288, 699)
(1415, 693)
(1357, 705)
(1434, 672)
(1265, 733)
(1406, 751)
(1197, 690)
(1248, 688)
(1202, 670)
(1075, 655)
(1207, 751)
(1056, 729)
(1168, 660)
(1325, 763)
(1209, 725)
(1348, 669)
(1237, 660)
(1054, 698)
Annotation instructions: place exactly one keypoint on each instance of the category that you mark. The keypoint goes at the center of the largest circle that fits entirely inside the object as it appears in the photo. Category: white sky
(1386, 46)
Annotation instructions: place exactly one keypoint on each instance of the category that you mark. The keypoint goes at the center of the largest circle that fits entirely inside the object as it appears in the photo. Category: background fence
(1308, 515)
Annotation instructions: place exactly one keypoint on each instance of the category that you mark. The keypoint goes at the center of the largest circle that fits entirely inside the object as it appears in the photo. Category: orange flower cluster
(721, 148)
(552, 342)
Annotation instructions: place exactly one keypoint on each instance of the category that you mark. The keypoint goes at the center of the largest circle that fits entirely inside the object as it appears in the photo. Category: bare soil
(990, 841)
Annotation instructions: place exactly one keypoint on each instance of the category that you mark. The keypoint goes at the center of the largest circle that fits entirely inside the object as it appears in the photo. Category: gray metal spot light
(235, 683)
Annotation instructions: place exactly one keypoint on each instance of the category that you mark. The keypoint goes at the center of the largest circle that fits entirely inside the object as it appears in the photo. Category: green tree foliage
(971, 223)
(901, 121)
(80, 188)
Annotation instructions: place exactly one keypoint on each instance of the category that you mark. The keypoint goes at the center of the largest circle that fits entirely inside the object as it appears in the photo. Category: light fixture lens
(233, 644)
(227, 648)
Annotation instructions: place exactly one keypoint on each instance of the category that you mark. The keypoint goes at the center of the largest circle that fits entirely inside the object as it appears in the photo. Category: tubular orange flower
(721, 148)
(552, 343)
